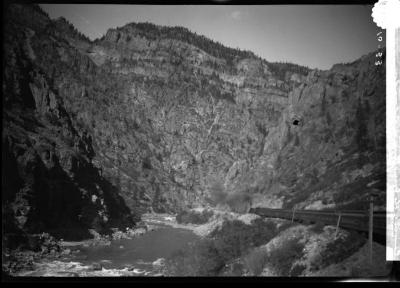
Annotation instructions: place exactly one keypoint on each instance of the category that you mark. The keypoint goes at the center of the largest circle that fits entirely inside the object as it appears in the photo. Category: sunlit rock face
(335, 128)
(148, 117)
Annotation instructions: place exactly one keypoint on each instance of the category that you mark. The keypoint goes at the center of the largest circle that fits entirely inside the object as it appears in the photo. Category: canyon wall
(151, 118)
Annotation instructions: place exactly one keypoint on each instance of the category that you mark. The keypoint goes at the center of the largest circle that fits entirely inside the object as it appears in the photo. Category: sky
(317, 36)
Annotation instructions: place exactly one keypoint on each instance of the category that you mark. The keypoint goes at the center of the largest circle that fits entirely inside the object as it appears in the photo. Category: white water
(141, 256)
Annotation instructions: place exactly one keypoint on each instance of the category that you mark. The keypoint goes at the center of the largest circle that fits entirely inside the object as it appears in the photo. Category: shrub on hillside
(208, 256)
(43, 242)
(254, 261)
(239, 202)
(235, 238)
(283, 255)
(217, 192)
(194, 217)
(318, 227)
(338, 250)
(259, 231)
(200, 259)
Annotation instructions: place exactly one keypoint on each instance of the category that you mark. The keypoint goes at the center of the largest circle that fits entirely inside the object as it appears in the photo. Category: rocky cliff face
(166, 118)
(49, 181)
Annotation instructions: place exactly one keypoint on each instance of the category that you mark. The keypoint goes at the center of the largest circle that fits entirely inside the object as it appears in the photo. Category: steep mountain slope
(233, 120)
(48, 181)
(171, 119)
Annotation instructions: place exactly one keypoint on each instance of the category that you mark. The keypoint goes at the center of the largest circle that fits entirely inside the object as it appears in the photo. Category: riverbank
(293, 250)
(296, 250)
(201, 230)
(105, 240)
(134, 252)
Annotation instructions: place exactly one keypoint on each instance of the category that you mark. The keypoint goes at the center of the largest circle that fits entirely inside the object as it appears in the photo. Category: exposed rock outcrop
(49, 181)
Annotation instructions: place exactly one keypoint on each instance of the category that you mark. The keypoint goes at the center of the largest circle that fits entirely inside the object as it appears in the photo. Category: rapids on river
(141, 256)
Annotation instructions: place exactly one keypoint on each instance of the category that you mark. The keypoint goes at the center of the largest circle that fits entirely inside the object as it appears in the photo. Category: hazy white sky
(317, 36)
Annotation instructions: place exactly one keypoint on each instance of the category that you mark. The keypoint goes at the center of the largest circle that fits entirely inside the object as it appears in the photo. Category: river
(139, 256)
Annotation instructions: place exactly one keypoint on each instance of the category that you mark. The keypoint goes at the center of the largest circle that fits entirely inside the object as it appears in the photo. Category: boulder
(96, 267)
(159, 262)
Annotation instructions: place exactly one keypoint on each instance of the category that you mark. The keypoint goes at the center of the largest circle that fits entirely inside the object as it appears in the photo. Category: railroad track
(351, 219)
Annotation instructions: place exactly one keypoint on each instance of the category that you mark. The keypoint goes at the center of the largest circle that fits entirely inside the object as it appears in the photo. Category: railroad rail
(353, 219)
